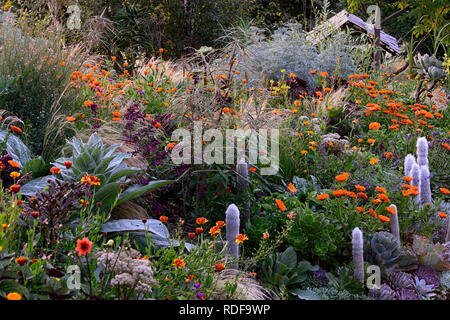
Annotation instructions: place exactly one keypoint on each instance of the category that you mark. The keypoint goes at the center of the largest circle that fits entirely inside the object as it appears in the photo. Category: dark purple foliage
(405, 294)
(429, 274)
(321, 275)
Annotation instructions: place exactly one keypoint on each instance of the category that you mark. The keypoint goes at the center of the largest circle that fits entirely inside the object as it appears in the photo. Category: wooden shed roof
(388, 42)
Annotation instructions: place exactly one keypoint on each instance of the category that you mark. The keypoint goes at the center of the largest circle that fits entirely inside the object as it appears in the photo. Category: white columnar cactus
(410, 160)
(415, 174)
(242, 184)
(422, 152)
(357, 251)
(424, 185)
(232, 221)
(447, 238)
(395, 228)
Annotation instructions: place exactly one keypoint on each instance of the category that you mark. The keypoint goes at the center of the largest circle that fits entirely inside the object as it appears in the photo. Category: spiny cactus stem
(357, 251)
(395, 229)
(232, 221)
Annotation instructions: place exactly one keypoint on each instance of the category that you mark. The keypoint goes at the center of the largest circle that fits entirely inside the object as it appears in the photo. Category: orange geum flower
(21, 260)
(241, 238)
(360, 188)
(219, 266)
(280, 205)
(215, 230)
(201, 220)
(322, 196)
(374, 126)
(55, 170)
(163, 219)
(442, 215)
(383, 218)
(391, 210)
(199, 230)
(179, 263)
(407, 179)
(444, 190)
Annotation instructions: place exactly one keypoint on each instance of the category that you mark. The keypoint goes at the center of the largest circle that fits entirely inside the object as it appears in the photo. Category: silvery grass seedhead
(357, 251)
(232, 221)
(422, 152)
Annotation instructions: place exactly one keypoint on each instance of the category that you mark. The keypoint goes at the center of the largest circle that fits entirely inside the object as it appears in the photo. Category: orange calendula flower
(83, 246)
(371, 141)
(170, 146)
(373, 161)
(280, 204)
(220, 224)
(13, 164)
(179, 263)
(14, 174)
(291, 188)
(383, 218)
(444, 190)
(241, 238)
(407, 179)
(442, 215)
(360, 209)
(14, 188)
(391, 210)
(92, 180)
(380, 190)
(21, 260)
(374, 126)
(16, 129)
(70, 119)
(342, 177)
(199, 230)
(373, 213)
(55, 170)
(360, 188)
(163, 219)
(13, 296)
(253, 169)
(362, 195)
(340, 192)
(214, 231)
(201, 220)
(219, 266)
(322, 196)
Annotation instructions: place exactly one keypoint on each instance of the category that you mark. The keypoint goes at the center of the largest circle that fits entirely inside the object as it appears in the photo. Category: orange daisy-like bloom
(253, 169)
(291, 188)
(92, 180)
(374, 126)
(322, 196)
(199, 230)
(442, 215)
(220, 224)
(201, 220)
(70, 119)
(362, 195)
(157, 125)
(241, 238)
(14, 174)
(373, 213)
(55, 170)
(214, 231)
(407, 179)
(13, 164)
(83, 246)
(351, 194)
(219, 266)
(383, 197)
(67, 164)
(383, 218)
(116, 119)
(360, 209)
(340, 192)
(391, 210)
(179, 263)
(14, 188)
(280, 205)
(380, 190)
(163, 219)
(444, 190)
(360, 188)
(191, 235)
(16, 129)
(21, 260)
(313, 71)
(371, 141)
(13, 296)
(373, 161)
(170, 146)
(342, 177)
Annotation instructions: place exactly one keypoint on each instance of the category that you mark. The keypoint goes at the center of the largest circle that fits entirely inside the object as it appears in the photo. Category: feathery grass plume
(232, 221)
(395, 229)
(422, 152)
(424, 185)
(246, 288)
(242, 184)
(410, 160)
(357, 251)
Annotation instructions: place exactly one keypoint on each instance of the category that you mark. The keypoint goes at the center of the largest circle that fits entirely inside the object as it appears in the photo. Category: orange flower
(163, 219)
(444, 190)
(21, 260)
(407, 179)
(71, 119)
(161, 50)
(383, 218)
(214, 231)
(360, 209)
(83, 246)
(342, 177)
(322, 196)
(16, 129)
(170, 146)
(374, 126)
(391, 210)
(373, 213)
(241, 238)
(14, 174)
(266, 235)
(191, 235)
(373, 161)
(219, 266)
(362, 195)
(179, 263)
(201, 220)
(157, 125)
(67, 164)
(220, 224)
(55, 170)
(442, 215)
(280, 204)
(13, 164)
(360, 188)
(13, 296)
(371, 141)
(199, 230)
(291, 188)
(14, 188)
(253, 169)
(313, 71)
(380, 189)
(92, 180)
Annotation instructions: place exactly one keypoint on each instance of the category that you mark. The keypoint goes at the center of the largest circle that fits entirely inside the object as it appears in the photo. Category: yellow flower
(241, 238)
(14, 174)
(373, 161)
(179, 263)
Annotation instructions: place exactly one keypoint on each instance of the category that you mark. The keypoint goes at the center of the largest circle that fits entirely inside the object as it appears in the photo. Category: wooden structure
(343, 19)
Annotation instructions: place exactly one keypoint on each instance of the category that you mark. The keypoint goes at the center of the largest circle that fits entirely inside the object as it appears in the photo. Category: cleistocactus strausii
(242, 184)
(415, 175)
(358, 251)
(424, 186)
(410, 160)
(422, 152)
(395, 229)
(447, 238)
(232, 221)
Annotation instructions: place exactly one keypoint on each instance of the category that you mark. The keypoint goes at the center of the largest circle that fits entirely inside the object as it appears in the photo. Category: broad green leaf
(136, 191)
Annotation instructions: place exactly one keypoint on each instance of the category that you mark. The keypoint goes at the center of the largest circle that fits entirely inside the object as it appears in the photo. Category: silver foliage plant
(263, 57)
